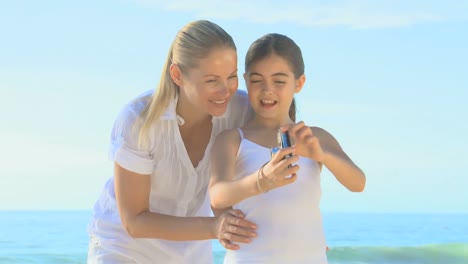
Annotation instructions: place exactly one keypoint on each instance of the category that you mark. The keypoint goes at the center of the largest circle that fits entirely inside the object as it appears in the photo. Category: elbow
(360, 186)
(216, 203)
(129, 226)
(216, 200)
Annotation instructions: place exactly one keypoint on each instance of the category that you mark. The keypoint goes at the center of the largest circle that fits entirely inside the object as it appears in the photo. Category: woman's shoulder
(130, 114)
(139, 103)
(239, 99)
(239, 108)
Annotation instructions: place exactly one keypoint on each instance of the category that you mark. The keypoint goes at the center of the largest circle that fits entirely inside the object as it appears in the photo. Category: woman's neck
(191, 115)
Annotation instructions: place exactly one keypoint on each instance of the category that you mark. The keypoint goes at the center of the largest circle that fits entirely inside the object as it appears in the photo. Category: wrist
(326, 158)
(263, 183)
(212, 224)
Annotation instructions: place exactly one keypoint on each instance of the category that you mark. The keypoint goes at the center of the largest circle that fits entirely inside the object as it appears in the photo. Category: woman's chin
(218, 109)
(218, 112)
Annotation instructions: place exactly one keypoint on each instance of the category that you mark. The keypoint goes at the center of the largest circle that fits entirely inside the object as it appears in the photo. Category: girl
(280, 194)
(154, 209)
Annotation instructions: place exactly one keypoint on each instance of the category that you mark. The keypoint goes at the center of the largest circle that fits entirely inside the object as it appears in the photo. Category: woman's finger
(236, 213)
(241, 231)
(228, 244)
(236, 238)
(240, 222)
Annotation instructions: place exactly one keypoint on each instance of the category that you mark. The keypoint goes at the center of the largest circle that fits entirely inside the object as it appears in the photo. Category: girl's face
(271, 86)
(210, 86)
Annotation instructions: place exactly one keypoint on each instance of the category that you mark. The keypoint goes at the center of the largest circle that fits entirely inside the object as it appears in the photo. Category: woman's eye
(255, 81)
(232, 77)
(210, 81)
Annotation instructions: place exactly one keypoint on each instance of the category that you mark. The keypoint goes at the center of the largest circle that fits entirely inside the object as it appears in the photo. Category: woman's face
(210, 86)
(271, 86)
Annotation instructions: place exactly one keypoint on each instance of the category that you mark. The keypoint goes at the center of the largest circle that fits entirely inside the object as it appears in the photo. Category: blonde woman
(154, 209)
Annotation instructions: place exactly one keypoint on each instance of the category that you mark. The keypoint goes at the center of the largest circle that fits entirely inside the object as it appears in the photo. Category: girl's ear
(300, 83)
(176, 74)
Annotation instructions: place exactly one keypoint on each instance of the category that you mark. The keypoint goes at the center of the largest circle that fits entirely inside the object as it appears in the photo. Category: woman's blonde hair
(193, 42)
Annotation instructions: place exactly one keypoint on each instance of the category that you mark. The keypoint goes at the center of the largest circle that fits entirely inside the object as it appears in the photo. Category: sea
(360, 238)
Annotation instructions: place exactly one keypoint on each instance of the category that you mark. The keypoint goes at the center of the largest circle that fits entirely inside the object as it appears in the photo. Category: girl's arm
(225, 190)
(132, 194)
(316, 143)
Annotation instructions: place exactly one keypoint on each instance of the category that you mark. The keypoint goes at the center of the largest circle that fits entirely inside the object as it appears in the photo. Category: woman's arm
(316, 143)
(225, 190)
(132, 193)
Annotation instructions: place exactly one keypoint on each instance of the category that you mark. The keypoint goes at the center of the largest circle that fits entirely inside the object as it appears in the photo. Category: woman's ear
(300, 83)
(176, 74)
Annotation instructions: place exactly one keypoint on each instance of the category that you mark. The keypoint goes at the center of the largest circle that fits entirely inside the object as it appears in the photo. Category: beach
(60, 237)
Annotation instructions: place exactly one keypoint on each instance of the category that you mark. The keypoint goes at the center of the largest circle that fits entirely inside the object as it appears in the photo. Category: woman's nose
(223, 88)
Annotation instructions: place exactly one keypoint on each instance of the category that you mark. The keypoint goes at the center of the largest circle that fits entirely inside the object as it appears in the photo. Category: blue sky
(387, 79)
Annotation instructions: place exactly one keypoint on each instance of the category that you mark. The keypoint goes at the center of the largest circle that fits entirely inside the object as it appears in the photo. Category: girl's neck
(269, 123)
(264, 131)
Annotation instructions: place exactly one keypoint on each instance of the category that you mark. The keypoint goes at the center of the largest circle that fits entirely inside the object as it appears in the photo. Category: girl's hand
(231, 227)
(279, 171)
(306, 143)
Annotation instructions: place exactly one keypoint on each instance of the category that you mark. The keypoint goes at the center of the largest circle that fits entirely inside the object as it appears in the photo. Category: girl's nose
(266, 87)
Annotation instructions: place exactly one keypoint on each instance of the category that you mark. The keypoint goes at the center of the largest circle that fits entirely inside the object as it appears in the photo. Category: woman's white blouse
(177, 188)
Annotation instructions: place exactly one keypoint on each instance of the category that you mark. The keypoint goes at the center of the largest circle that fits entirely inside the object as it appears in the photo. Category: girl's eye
(255, 81)
(210, 81)
(280, 82)
(232, 77)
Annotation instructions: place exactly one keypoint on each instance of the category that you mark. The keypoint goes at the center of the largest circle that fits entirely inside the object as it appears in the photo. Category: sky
(387, 78)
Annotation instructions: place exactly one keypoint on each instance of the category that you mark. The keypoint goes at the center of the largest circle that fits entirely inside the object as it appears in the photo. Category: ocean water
(60, 237)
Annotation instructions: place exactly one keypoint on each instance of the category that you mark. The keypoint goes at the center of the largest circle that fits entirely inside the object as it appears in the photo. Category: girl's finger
(279, 156)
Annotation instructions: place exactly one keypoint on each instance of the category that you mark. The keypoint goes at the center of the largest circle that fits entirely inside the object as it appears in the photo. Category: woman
(154, 209)
(279, 192)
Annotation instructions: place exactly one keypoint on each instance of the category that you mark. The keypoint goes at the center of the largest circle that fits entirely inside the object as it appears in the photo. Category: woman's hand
(279, 171)
(231, 228)
(306, 143)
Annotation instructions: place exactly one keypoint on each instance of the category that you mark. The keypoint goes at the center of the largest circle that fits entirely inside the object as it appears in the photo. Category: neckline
(246, 139)
(185, 156)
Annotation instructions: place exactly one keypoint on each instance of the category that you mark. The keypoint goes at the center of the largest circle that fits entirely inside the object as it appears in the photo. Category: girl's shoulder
(319, 131)
(229, 135)
(324, 136)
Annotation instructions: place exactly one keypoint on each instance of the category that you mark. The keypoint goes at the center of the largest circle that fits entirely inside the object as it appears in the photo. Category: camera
(283, 142)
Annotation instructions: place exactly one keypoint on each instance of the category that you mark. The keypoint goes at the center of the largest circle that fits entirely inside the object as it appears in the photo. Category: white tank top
(288, 218)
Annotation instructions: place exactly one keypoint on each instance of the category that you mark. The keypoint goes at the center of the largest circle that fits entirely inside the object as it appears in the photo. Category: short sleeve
(124, 148)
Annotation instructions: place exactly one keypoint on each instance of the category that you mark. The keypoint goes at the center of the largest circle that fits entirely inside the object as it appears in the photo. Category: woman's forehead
(218, 62)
